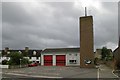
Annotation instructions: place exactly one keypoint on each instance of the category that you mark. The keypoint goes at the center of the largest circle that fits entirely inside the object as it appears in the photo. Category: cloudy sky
(40, 25)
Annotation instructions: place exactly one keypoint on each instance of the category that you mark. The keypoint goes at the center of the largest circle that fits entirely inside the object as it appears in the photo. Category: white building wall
(32, 58)
(73, 56)
(35, 59)
(4, 58)
(54, 60)
(42, 60)
(26, 57)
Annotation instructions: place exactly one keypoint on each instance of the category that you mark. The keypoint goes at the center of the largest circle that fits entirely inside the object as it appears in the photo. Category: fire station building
(61, 57)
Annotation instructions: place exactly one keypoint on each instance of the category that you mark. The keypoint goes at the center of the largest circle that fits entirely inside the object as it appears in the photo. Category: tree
(24, 61)
(15, 58)
(105, 53)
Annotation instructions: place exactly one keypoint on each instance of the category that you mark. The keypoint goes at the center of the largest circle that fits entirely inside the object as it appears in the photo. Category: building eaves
(61, 50)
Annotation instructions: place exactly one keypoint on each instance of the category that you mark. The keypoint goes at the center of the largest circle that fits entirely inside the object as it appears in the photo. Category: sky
(119, 20)
(40, 25)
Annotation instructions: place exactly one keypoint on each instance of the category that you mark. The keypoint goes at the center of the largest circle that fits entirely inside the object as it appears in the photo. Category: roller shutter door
(60, 60)
(48, 60)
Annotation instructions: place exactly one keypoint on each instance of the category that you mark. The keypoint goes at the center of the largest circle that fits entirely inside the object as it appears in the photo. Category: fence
(4, 66)
(17, 66)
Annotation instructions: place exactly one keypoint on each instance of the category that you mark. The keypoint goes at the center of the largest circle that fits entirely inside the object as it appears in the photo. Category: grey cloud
(14, 14)
(119, 18)
(106, 25)
(56, 25)
(0, 25)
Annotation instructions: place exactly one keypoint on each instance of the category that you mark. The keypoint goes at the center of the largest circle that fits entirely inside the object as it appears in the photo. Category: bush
(4, 62)
(15, 58)
(29, 62)
(24, 61)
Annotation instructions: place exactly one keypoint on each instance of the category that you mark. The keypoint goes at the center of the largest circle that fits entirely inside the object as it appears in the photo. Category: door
(48, 60)
(60, 60)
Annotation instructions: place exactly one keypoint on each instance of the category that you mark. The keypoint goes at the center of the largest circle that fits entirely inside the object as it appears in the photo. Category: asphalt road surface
(55, 72)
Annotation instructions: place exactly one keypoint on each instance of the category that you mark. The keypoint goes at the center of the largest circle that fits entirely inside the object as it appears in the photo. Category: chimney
(26, 49)
(6, 49)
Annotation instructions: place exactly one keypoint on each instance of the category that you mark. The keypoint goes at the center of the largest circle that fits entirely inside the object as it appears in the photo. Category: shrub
(24, 61)
(4, 62)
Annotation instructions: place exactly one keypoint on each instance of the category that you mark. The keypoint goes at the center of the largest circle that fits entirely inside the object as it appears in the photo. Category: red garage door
(60, 60)
(48, 61)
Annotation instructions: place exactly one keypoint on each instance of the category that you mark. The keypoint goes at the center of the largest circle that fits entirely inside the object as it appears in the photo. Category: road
(59, 73)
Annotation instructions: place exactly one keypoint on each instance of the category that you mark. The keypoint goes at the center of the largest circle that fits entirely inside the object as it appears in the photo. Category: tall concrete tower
(86, 42)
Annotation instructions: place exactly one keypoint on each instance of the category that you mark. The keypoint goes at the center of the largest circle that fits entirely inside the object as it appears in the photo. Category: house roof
(116, 53)
(30, 52)
(115, 49)
(61, 50)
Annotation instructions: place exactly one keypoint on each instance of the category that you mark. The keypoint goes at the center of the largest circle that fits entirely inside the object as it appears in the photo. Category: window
(30, 57)
(72, 61)
(37, 57)
(37, 61)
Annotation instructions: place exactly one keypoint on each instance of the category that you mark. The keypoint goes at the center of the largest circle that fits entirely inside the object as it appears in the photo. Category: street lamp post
(98, 72)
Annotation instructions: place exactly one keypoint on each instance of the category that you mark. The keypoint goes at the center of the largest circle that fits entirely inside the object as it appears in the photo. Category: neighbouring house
(32, 55)
(48, 57)
(60, 57)
(4, 55)
(98, 53)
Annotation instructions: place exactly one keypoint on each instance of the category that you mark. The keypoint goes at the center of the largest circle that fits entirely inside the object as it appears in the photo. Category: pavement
(106, 72)
(58, 72)
(53, 72)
